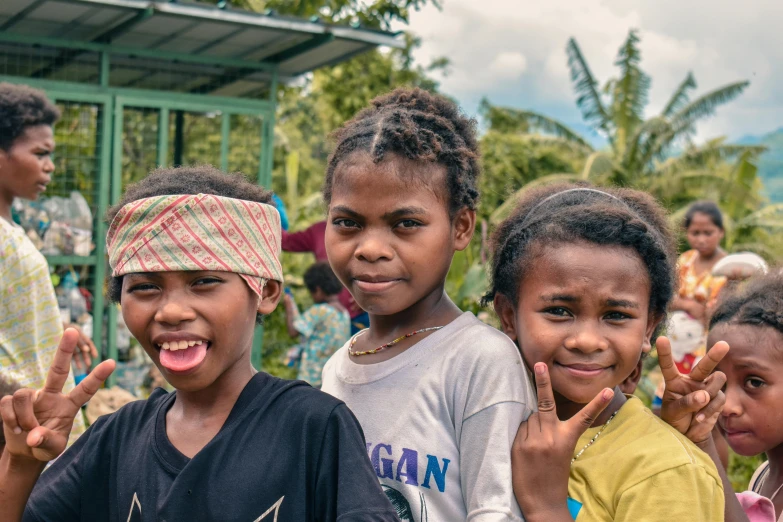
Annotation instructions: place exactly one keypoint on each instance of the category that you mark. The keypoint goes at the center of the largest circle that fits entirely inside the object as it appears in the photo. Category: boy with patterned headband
(195, 264)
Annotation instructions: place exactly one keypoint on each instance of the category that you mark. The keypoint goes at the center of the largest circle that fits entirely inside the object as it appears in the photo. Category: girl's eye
(616, 316)
(557, 311)
(754, 383)
(408, 223)
(345, 223)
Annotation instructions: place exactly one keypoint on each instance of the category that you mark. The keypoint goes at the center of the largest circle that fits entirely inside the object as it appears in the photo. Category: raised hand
(692, 403)
(37, 423)
(543, 449)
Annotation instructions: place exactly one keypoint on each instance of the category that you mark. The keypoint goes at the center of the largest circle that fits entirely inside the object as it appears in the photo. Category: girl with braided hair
(581, 280)
(438, 393)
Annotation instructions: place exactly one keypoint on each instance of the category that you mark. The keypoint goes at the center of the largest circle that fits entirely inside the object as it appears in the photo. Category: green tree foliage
(654, 154)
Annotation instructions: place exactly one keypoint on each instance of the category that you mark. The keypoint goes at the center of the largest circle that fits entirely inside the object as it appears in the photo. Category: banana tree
(641, 151)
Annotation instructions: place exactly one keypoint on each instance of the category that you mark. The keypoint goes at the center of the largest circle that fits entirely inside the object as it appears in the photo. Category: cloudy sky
(513, 52)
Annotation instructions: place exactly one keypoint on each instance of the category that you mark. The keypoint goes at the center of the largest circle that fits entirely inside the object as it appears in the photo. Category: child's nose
(733, 406)
(374, 247)
(173, 312)
(587, 340)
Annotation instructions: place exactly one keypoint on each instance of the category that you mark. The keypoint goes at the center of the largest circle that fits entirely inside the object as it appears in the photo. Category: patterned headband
(197, 232)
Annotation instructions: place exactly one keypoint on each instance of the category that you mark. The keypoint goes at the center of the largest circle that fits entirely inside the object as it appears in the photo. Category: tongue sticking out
(183, 360)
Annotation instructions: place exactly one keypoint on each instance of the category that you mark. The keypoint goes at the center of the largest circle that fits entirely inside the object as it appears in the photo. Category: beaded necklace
(389, 344)
(595, 437)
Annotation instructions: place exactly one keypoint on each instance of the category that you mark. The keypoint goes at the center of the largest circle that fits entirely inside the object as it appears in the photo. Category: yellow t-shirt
(30, 322)
(642, 469)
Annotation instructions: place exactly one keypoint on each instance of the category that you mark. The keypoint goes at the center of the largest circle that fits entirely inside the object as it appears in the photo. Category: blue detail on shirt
(574, 507)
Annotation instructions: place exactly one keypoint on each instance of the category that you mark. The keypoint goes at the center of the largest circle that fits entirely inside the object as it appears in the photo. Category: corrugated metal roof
(295, 46)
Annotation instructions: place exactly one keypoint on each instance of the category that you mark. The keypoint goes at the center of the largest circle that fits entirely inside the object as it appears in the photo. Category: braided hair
(567, 213)
(420, 126)
(758, 302)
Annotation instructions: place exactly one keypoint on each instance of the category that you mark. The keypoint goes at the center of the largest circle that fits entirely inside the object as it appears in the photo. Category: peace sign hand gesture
(692, 403)
(543, 449)
(37, 423)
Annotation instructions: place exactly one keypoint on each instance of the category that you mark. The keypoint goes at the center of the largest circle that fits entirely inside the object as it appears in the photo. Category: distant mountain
(770, 163)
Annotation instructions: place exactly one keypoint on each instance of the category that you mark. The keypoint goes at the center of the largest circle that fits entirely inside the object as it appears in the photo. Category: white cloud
(513, 52)
(508, 65)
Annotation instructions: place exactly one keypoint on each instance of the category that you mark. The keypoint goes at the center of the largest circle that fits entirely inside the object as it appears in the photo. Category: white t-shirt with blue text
(439, 420)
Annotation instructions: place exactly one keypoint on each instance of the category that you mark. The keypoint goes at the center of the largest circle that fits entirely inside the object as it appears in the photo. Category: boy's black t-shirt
(287, 452)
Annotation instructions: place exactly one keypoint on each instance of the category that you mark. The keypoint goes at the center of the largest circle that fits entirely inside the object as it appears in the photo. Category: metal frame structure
(215, 47)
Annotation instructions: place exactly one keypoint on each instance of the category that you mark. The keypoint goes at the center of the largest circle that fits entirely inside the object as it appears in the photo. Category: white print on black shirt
(136, 510)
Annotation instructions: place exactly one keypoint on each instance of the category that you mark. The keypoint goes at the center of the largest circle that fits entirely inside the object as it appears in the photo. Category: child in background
(195, 266)
(438, 393)
(698, 287)
(749, 409)
(581, 279)
(323, 328)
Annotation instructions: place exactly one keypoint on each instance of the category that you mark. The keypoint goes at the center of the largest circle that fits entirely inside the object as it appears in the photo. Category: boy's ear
(652, 325)
(506, 314)
(464, 226)
(270, 296)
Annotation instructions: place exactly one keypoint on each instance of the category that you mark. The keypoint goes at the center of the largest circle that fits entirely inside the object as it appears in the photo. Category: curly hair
(757, 302)
(607, 217)
(708, 208)
(420, 126)
(21, 107)
(320, 275)
(203, 179)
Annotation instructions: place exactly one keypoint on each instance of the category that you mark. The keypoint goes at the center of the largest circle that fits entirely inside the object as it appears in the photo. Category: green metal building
(154, 83)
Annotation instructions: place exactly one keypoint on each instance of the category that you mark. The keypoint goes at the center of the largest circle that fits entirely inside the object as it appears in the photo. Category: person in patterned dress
(322, 328)
(30, 322)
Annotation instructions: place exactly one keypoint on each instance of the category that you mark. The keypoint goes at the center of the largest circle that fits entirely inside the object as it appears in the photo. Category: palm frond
(640, 150)
(508, 120)
(557, 142)
(551, 126)
(588, 98)
(597, 167)
(767, 214)
(502, 119)
(712, 152)
(680, 97)
(705, 105)
(630, 92)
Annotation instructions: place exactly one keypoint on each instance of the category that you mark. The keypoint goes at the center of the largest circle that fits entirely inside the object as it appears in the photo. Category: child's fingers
(586, 417)
(46, 444)
(92, 383)
(546, 398)
(664, 348)
(715, 406)
(706, 420)
(707, 364)
(61, 365)
(23, 409)
(8, 415)
(714, 383)
(687, 405)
